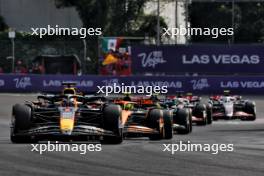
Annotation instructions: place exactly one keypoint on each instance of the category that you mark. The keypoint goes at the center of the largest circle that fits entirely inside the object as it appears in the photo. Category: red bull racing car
(69, 116)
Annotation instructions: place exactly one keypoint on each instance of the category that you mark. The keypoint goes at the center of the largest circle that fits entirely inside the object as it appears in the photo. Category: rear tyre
(199, 111)
(209, 114)
(21, 120)
(155, 119)
(183, 118)
(190, 120)
(250, 108)
(168, 130)
(112, 122)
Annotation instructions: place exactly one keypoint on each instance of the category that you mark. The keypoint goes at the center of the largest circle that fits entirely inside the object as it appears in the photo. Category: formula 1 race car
(232, 107)
(201, 112)
(182, 114)
(66, 116)
(144, 118)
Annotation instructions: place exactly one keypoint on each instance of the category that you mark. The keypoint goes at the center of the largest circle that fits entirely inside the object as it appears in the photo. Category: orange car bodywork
(135, 128)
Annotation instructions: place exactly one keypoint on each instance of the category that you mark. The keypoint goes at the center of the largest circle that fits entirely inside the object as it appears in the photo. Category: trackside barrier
(89, 83)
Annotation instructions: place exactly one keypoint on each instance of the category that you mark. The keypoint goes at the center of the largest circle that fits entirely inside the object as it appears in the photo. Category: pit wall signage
(89, 83)
(201, 59)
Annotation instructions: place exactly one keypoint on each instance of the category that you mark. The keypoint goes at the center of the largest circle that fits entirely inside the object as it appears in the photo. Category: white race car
(232, 107)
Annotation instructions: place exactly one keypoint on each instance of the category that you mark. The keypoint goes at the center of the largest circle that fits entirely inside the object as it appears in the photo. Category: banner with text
(197, 85)
(201, 59)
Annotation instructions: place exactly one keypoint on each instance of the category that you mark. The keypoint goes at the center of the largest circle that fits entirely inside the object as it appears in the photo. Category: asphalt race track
(140, 157)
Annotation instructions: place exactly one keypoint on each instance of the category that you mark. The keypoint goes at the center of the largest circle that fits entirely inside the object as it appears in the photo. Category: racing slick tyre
(250, 108)
(21, 120)
(190, 121)
(156, 121)
(199, 111)
(111, 122)
(168, 120)
(183, 118)
(209, 114)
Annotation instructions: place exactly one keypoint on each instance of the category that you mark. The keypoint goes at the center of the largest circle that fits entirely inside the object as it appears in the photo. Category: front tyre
(112, 122)
(21, 120)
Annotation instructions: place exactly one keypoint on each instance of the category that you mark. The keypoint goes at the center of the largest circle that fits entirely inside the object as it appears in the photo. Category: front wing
(54, 130)
(237, 115)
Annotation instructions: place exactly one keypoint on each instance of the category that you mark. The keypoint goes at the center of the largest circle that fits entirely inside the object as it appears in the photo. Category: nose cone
(66, 126)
